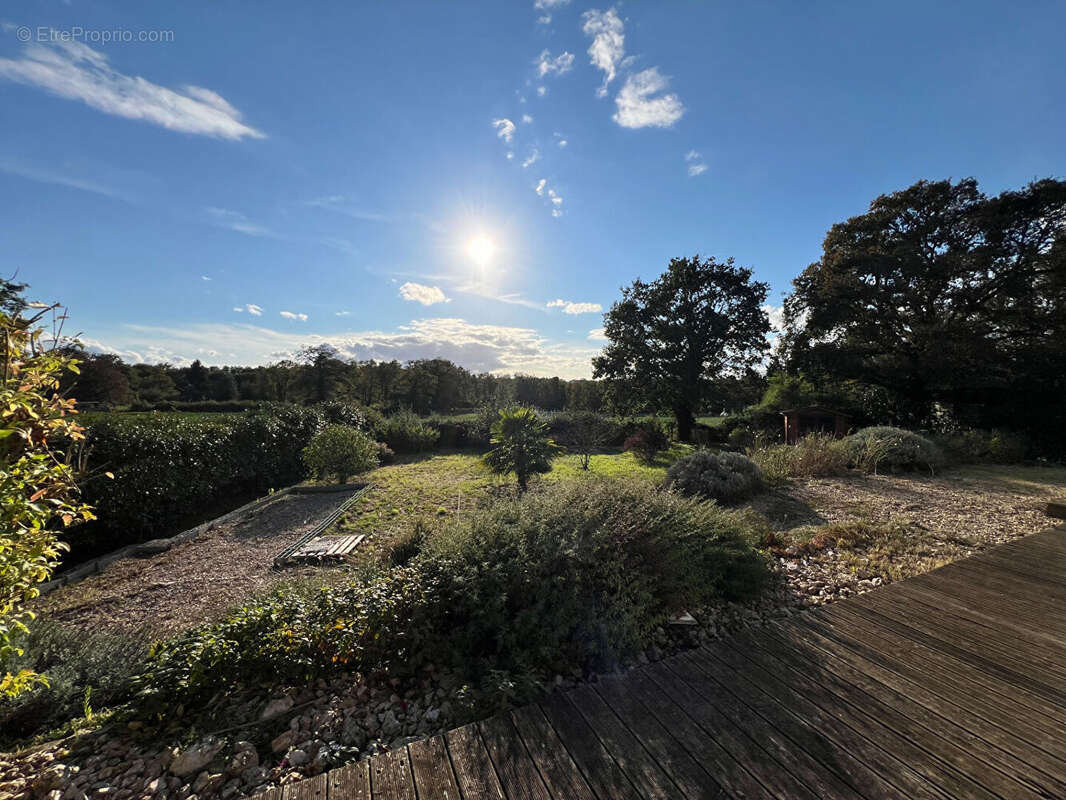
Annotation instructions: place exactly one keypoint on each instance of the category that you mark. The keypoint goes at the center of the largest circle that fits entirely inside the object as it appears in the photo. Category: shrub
(385, 453)
(573, 576)
(984, 447)
(340, 451)
(725, 477)
(37, 491)
(648, 441)
(405, 432)
(883, 446)
(583, 432)
(815, 456)
(520, 444)
(82, 669)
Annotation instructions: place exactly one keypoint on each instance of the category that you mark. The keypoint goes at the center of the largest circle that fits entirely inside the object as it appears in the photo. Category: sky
(476, 181)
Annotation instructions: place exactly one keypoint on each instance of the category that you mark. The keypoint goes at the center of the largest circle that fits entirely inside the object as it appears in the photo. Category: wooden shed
(814, 419)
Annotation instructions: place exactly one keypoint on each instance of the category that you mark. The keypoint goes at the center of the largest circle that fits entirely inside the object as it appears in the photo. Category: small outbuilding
(800, 422)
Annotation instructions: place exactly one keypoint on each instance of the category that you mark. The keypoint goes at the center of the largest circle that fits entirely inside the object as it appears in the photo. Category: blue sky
(326, 171)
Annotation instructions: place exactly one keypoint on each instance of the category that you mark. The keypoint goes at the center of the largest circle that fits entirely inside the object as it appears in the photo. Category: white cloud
(541, 91)
(544, 5)
(569, 307)
(205, 278)
(526, 118)
(342, 313)
(539, 188)
(608, 43)
(342, 205)
(251, 308)
(559, 140)
(534, 157)
(59, 177)
(640, 104)
(560, 65)
(480, 348)
(293, 315)
(696, 166)
(235, 221)
(420, 293)
(75, 71)
(598, 335)
(504, 129)
(776, 315)
(544, 19)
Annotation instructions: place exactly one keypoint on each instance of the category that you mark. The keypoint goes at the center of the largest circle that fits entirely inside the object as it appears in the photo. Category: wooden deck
(951, 684)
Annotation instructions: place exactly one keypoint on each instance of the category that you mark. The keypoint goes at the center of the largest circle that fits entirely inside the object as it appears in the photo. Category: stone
(390, 726)
(242, 760)
(297, 757)
(353, 734)
(207, 782)
(282, 742)
(196, 757)
(276, 707)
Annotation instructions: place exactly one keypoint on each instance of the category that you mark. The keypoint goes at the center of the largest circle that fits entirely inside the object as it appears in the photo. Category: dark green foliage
(725, 477)
(576, 428)
(564, 578)
(340, 451)
(78, 664)
(948, 303)
(199, 406)
(166, 467)
(406, 432)
(520, 444)
(983, 447)
(881, 447)
(670, 340)
(386, 455)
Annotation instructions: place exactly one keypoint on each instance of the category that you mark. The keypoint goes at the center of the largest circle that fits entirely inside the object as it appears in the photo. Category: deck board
(947, 686)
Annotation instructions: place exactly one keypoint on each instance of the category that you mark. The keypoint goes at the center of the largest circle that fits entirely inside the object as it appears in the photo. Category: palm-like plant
(520, 444)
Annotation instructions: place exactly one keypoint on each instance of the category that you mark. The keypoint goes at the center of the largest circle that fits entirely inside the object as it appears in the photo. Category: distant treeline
(431, 386)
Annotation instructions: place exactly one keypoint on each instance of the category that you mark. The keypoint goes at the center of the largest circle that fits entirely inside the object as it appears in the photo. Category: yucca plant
(520, 444)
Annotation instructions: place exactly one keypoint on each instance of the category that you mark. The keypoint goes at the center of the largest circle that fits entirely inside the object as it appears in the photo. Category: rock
(297, 757)
(208, 782)
(242, 760)
(432, 715)
(155, 786)
(390, 726)
(276, 707)
(196, 757)
(282, 742)
(353, 734)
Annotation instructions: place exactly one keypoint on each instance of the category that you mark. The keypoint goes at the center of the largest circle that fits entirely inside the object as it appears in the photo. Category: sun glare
(481, 249)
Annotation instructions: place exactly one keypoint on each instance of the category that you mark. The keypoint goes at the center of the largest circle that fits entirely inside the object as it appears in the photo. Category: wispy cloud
(569, 307)
(236, 221)
(696, 165)
(559, 140)
(420, 293)
(560, 65)
(205, 277)
(293, 315)
(641, 104)
(342, 313)
(533, 158)
(504, 129)
(75, 71)
(342, 205)
(597, 335)
(251, 308)
(526, 119)
(543, 190)
(608, 43)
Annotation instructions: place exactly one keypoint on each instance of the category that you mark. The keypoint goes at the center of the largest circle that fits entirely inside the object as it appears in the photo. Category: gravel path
(196, 581)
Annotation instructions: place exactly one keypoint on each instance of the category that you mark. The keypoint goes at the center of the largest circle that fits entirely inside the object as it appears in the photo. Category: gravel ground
(196, 581)
(884, 528)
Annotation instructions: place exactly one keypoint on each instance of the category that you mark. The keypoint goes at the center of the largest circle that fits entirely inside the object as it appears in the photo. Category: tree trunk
(685, 420)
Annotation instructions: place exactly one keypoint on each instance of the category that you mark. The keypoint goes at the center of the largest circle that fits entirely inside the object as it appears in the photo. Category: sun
(481, 249)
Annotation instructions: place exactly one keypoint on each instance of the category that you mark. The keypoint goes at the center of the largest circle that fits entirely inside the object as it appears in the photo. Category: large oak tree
(670, 339)
(946, 300)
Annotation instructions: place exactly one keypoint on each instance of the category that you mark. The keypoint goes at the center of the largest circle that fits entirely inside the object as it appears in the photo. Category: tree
(588, 432)
(943, 299)
(669, 340)
(101, 378)
(520, 444)
(37, 488)
(340, 451)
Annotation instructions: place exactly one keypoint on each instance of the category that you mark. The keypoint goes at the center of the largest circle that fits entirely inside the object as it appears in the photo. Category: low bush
(340, 451)
(85, 672)
(725, 477)
(198, 406)
(984, 447)
(405, 432)
(568, 577)
(648, 441)
(576, 428)
(871, 449)
(815, 456)
(386, 455)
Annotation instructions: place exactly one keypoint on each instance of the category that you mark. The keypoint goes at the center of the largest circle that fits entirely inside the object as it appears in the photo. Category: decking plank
(474, 772)
(518, 774)
(349, 783)
(310, 789)
(558, 770)
(432, 769)
(390, 776)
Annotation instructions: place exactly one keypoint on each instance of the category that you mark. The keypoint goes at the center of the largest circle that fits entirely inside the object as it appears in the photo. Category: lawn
(435, 488)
